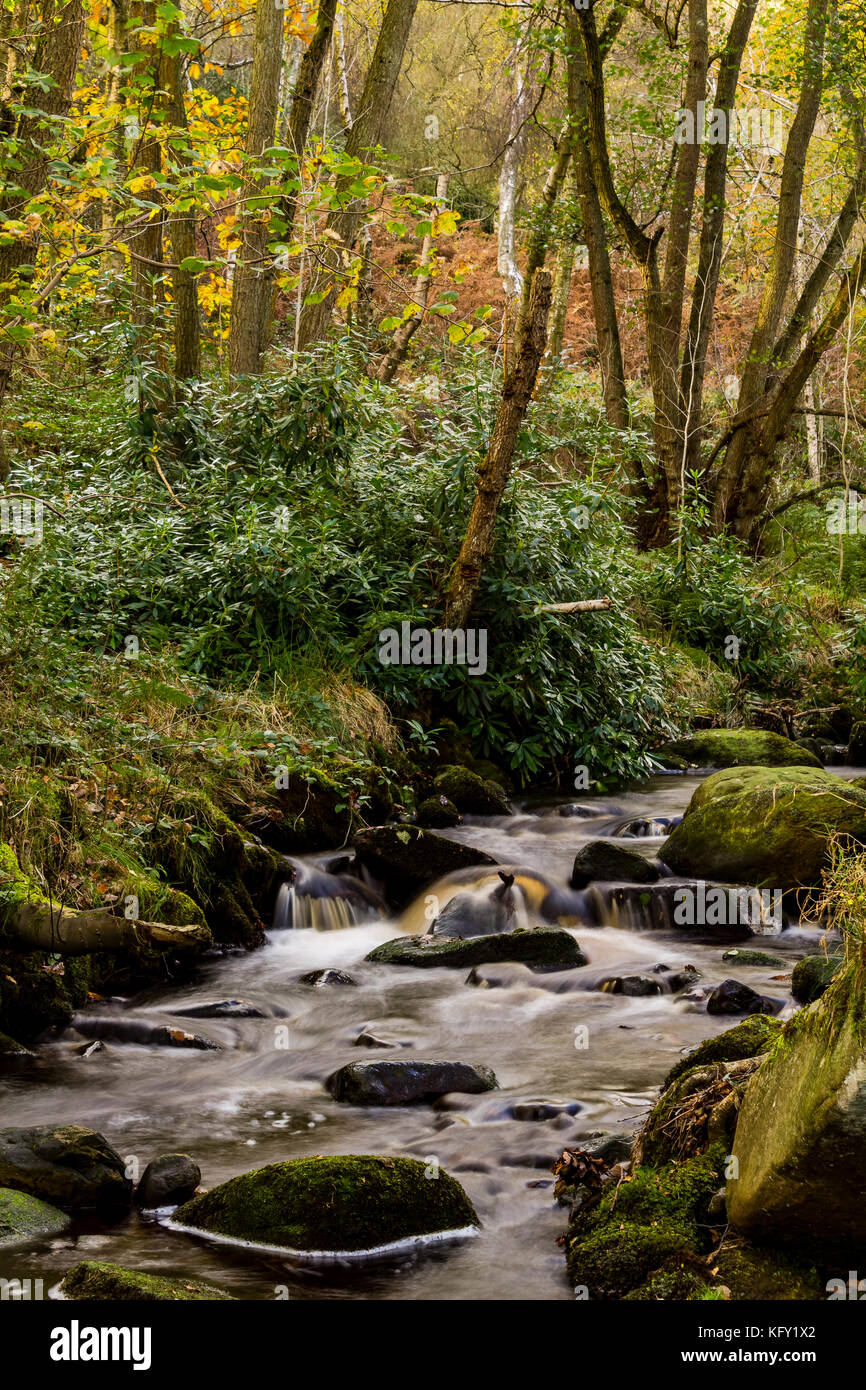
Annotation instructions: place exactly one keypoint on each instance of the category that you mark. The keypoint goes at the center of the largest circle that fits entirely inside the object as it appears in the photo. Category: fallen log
(41, 927)
(583, 605)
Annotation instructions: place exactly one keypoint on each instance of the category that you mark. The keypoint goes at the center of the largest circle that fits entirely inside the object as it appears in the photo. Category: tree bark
(365, 134)
(181, 226)
(494, 472)
(305, 91)
(40, 927)
(509, 174)
(254, 273)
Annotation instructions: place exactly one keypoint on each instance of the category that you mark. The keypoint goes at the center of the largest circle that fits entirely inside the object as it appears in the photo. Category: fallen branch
(583, 605)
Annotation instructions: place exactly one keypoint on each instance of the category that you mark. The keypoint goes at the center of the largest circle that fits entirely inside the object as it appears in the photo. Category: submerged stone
(348, 1203)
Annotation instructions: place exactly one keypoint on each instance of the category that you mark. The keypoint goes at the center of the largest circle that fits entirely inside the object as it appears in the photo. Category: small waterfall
(637, 827)
(319, 901)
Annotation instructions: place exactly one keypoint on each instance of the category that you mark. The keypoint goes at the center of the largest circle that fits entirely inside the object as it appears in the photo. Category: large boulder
(812, 976)
(407, 858)
(348, 1203)
(763, 826)
(801, 1135)
(65, 1164)
(542, 949)
(475, 795)
(100, 1280)
(402, 1083)
(26, 1218)
(602, 859)
(740, 748)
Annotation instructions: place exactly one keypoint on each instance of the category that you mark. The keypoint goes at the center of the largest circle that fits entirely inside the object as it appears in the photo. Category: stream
(256, 1102)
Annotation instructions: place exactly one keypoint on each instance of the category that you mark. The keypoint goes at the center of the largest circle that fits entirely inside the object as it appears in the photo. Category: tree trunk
(509, 174)
(403, 335)
(181, 225)
(305, 90)
(365, 134)
(562, 273)
(493, 474)
(253, 278)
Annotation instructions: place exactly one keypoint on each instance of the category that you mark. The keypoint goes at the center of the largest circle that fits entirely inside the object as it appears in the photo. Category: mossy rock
(698, 1110)
(26, 1218)
(158, 902)
(348, 1203)
(740, 748)
(761, 826)
(36, 996)
(739, 955)
(96, 1279)
(470, 793)
(812, 976)
(681, 1281)
(643, 1226)
(541, 949)
(801, 1132)
(755, 1274)
(10, 1048)
(437, 813)
(69, 1165)
(751, 1038)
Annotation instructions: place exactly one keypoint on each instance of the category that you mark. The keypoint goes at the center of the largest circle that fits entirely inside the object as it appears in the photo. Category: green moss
(38, 991)
(540, 947)
(762, 826)
(354, 1202)
(754, 1036)
(470, 793)
(681, 1281)
(753, 1273)
(812, 976)
(95, 1279)
(657, 1218)
(158, 902)
(25, 1218)
(740, 748)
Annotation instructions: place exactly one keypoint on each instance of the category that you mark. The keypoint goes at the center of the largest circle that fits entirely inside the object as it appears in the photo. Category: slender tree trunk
(181, 226)
(595, 237)
(58, 47)
(509, 176)
(306, 88)
(396, 354)
(560, 292)
(737, 484)
(494, 472)
(254, 272)
(145, 246)
(366, 132)
(539, 237)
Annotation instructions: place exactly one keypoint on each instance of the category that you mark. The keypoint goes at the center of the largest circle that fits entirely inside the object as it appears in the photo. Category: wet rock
(223, 1008)
(813, 746)
(25, 1218)
(675, 980)
(318, 979)
(636, 986)
(65, 1164)
(588, 812)
(96, 1279)
(733, 997)
(541, 949)
(601, 859)
(140, 1033)
(740, 956)
(754, 825)
(541, 1110)
(740, 748)
(751, 1038)
(368, 1039)
(802, 1130)
(470, 793)
(407, 858)
(168, 1181)
(402, 1083)
(437, 813)
(812, 976)
(348, 1203)
(754, 1275)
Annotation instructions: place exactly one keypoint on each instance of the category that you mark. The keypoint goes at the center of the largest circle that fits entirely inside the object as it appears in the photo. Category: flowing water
(257, 1101)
